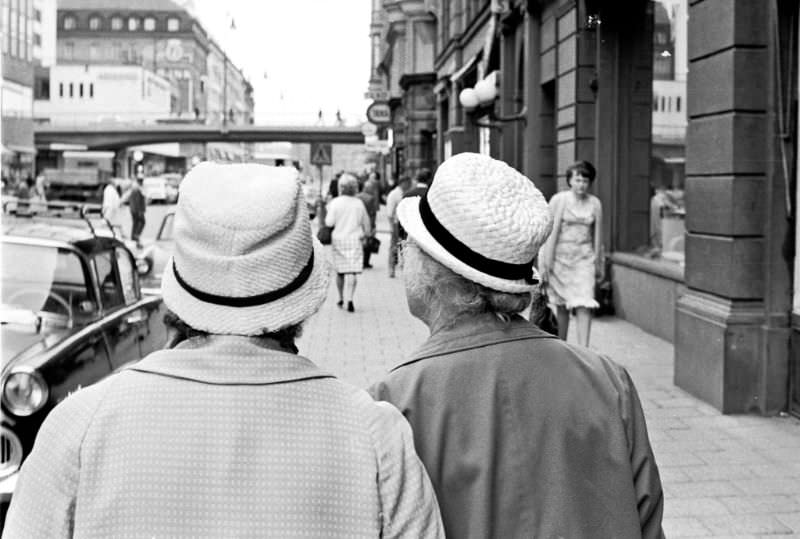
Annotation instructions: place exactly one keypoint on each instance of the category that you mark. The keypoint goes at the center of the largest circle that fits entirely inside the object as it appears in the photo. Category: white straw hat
(483, 220)
(245, 261)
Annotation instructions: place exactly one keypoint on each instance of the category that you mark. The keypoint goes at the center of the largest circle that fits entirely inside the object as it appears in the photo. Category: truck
(78, 176)
(76, 184)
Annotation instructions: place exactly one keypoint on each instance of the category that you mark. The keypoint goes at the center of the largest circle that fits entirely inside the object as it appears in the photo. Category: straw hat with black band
(245, 261)
(483, 220)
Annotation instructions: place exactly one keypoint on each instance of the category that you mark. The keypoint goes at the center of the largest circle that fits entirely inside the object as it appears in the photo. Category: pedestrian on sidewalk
(111, 205)
(522, 434)
(228, 432)
(572, 259)
(137, 203)
(392, 200)
(350, 221)
(370, 195)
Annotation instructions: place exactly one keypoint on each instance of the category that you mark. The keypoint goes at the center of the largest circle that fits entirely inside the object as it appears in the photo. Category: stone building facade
(687, 108)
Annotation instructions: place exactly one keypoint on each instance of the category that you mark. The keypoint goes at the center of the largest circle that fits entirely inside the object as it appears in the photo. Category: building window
(668, 131)
(71, 93)
(69, 22)
(69, 50)
(60, 89)
(91, 89)
(173, 24)
(116, 23)
(149, 24)
(94, 23)
(94, 52)
(37, 40)
(80, 90)
(37, 15)
(133, 24)
(116, 51)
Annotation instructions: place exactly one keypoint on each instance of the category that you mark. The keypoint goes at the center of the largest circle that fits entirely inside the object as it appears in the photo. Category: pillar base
(718, 353)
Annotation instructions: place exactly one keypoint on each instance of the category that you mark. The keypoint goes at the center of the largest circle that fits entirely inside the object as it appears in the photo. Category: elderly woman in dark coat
(522, 434)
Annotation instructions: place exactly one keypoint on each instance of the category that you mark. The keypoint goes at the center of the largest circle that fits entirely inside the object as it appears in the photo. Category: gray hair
(449, 295)
(285, 336)
(348, 184)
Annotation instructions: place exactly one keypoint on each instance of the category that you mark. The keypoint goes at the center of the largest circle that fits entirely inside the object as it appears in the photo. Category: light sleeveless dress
(572, 271)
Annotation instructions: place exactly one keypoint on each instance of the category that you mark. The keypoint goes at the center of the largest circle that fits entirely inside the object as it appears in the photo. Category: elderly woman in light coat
(351, 226)
(523, 435)
(228, 432)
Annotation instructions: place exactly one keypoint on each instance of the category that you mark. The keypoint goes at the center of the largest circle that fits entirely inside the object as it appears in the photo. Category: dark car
(72, 313)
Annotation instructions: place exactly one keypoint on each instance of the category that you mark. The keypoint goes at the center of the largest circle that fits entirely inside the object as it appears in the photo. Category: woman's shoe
(350, 307)
(339, 303)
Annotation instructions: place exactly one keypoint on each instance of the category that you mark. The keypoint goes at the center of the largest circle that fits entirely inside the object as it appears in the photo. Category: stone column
(730, 344)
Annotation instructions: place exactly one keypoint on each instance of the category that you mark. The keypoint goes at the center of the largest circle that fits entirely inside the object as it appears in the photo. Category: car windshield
(42, 279)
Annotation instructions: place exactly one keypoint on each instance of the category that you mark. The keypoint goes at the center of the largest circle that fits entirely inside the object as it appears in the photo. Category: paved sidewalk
(723, 476)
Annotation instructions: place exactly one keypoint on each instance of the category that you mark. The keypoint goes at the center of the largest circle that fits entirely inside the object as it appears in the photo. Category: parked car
(160, 189)
(72, 312)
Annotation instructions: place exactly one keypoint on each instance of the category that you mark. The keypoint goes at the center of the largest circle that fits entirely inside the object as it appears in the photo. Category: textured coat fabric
(526, 436)
(222, 437)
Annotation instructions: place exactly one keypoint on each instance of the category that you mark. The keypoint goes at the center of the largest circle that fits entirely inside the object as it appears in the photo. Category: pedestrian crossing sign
(321, 154)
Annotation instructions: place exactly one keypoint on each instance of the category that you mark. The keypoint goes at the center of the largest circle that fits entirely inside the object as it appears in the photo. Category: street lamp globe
(468, 98)
(486, 89)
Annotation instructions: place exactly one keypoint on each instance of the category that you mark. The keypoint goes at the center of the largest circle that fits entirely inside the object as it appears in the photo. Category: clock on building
(174, 50)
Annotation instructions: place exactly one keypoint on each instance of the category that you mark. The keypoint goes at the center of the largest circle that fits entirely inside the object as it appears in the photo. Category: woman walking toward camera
(572, 259)
(351, 225)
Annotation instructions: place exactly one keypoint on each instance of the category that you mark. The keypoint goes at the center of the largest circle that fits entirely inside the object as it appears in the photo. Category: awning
(60, 146)
(19, 149)
(469, 64)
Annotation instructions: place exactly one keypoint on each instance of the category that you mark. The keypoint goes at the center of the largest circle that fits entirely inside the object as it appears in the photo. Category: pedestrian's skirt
(348, 255)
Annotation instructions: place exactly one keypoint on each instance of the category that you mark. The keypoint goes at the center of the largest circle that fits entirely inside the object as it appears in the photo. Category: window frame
(72, 20)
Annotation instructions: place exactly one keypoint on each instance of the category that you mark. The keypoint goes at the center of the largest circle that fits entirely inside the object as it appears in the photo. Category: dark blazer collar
(476, 332)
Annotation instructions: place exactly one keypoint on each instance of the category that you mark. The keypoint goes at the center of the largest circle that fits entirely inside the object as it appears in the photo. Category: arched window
(173, 24)
(133, 24)
(149, 24)
(69, 22)
(116, 23)
(95, 23)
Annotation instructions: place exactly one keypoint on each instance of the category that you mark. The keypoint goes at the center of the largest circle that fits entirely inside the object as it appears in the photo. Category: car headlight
(24, 392)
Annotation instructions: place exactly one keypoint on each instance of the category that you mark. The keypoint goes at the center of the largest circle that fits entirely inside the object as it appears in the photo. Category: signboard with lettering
(377, 95)
(379, 113)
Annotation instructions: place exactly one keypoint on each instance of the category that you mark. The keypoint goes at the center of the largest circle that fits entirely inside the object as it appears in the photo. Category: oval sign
(379, 113)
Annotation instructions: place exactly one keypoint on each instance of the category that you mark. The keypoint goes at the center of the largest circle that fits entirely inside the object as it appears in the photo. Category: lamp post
(225, 81)
(484, 94)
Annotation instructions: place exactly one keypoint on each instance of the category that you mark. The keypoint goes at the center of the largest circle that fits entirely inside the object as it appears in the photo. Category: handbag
(373, 244)
(541, 313)
(324, 234)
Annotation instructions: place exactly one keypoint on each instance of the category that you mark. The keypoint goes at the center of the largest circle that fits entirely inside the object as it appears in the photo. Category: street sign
(377, 95)
(321, 154)
(379, 113)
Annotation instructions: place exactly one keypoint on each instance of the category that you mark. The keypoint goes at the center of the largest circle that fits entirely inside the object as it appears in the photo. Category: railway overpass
(118, 136)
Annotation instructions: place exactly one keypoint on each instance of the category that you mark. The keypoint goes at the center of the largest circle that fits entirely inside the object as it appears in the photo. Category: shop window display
(669, 121)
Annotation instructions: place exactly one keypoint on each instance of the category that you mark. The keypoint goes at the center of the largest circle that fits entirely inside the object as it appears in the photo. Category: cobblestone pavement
(723, 476)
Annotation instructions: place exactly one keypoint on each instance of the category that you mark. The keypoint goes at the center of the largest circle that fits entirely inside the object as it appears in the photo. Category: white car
(159, 189)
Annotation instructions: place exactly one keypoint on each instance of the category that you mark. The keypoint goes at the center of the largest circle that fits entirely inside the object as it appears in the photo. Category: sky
(300, 55)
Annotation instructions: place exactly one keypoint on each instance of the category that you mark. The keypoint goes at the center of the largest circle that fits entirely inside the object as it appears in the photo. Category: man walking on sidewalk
(138, 206)
(522, 434)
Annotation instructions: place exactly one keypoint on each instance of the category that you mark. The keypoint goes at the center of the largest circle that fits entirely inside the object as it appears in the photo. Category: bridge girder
(115, 137)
